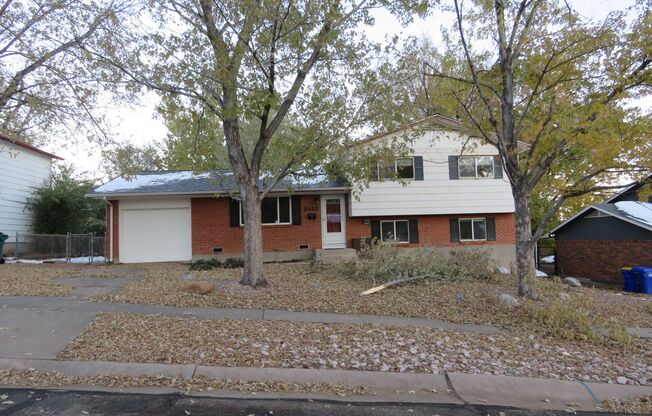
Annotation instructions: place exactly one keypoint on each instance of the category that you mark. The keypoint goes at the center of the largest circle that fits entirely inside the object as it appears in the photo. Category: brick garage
(601, 259)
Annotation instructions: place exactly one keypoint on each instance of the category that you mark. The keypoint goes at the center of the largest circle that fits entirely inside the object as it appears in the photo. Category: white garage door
(152, 231)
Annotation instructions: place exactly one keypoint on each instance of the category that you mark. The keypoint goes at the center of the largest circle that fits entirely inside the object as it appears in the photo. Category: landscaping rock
(199, 288)
(507, 300)
(564, 296)
(571, 281)
(622, 380)
(504, 270)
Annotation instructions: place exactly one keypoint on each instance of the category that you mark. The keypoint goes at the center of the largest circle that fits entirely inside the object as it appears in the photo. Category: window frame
(395, 241)
(378, 168)
(278, 212)
(459, 227)
(475, 167)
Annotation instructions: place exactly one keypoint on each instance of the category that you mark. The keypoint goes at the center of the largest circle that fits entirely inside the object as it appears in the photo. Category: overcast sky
(139, 125)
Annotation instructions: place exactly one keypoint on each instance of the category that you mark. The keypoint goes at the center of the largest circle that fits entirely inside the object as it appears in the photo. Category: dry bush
(385, 262)
(562, 320)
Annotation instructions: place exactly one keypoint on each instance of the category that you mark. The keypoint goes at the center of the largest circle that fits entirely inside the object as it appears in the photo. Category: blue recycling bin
(628, 279)
(642, 277)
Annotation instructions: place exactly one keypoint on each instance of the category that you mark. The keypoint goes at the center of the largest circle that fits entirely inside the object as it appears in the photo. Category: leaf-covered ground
(223, 342)
(36, 279)
(299, 287)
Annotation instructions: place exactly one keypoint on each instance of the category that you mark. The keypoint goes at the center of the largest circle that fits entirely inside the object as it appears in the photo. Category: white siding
(21, 171)
(437, 194)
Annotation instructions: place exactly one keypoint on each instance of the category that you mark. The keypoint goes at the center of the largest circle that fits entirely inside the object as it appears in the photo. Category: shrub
(385, 262)
(562, 320)
(210, 264)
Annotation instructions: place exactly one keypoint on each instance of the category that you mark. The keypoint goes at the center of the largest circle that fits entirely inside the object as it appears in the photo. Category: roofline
(606, 201)
(444, 120)
(190, 194)
(620, 217)
(29, 147)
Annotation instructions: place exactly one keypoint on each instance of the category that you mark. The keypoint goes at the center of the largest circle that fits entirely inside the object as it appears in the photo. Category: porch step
(332, 256)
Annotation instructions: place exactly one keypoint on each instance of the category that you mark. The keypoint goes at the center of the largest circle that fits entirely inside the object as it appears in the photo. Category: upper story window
(401, 168)
(274, 210)
(476, 166)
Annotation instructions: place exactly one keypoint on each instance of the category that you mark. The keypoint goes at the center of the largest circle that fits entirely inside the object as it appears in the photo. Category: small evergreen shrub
(210, 264)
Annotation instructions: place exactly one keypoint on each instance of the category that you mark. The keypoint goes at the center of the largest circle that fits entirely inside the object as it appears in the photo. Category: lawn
(36, 279)
(300, 287)
(223, 342)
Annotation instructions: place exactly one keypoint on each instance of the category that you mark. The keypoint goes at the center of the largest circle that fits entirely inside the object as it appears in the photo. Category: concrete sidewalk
(519, 392)
(63, 304)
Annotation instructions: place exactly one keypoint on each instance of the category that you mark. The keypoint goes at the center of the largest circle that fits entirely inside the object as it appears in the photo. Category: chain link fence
(546, 256)
(75, 248)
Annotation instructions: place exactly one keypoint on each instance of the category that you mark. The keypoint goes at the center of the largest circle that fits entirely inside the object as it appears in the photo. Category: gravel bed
(35, 378)
(222, 342)
(299, 287)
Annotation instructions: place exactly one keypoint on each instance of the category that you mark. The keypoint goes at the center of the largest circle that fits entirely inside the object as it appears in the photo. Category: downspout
(111, 229)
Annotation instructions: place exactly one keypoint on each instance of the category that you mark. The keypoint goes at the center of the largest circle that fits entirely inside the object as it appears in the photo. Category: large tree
(48, 85)
(284, 65)
(562, 85)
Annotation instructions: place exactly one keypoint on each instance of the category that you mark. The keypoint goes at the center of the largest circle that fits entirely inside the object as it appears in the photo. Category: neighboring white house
(22, 169)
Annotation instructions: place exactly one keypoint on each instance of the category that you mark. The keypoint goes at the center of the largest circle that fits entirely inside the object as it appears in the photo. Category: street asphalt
(64, 403)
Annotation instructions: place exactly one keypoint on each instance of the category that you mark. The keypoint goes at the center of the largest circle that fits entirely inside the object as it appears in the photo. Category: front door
(333, 221)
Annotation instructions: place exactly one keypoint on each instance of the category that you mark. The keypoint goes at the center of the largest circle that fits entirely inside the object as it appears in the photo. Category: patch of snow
(548, 259)
(76, 260)
(642, 211)
(149, 179)
(539, 273)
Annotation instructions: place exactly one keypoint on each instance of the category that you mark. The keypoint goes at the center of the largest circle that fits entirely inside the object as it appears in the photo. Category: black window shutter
(375, 229)
(414, 231)
(453, 172)
(498, 167)
(491, 229)
(234, 212)
(296, 209)
(418, 168)
(455, 230)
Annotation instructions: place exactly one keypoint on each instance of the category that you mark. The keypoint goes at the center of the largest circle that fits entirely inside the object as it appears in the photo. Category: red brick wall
(210, 228)
(434, 230)
(601, 259)
(116, 224)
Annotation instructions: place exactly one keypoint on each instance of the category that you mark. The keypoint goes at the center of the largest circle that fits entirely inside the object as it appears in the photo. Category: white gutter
(111, 228)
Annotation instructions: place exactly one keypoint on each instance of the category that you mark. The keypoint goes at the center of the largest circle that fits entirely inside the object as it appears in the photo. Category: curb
(456, 388)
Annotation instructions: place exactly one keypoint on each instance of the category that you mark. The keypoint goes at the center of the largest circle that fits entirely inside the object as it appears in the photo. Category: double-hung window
(476, 167)
(395, 231)
(274, 210)
(401, 168)
(473, 229)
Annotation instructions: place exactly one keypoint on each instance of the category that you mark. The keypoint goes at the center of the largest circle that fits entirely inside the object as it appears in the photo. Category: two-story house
(23, 168)
(451, 193)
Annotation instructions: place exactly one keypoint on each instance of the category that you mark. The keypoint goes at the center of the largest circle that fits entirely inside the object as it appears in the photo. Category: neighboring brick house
(452, 194)
(601, 239)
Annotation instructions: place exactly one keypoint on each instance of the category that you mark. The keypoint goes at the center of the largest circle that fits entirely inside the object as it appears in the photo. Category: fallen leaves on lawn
(224, 342)
(35, 378)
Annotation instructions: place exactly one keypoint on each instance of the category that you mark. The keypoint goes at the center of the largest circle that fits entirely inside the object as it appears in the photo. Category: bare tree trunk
(253, 275)
(524, 245)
